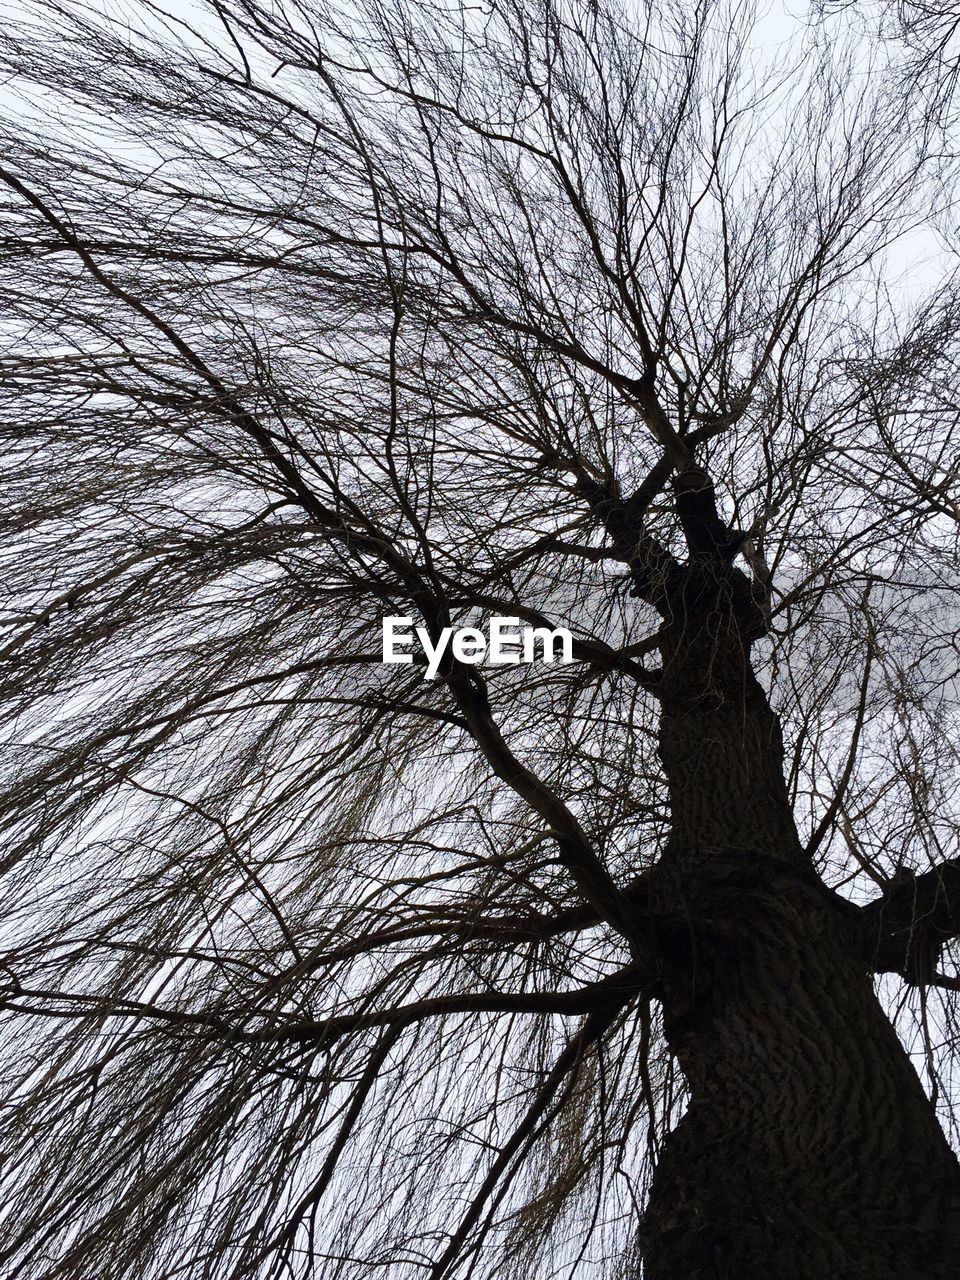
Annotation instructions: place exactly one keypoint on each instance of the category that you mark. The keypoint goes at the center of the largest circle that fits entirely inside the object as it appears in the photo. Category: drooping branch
(539, 1114)
(351, 1114)
(575, 848)
(363, 535)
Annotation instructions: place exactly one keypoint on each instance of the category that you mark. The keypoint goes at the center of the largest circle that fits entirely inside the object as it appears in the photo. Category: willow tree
(638, 964)
(928, 32)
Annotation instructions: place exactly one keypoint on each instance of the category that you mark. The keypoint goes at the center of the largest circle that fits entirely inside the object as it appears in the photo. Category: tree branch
(904, 930)
(610, 992)
(538, 1116)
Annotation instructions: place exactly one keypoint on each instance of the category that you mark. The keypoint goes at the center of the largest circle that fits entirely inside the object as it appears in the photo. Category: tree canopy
(318, 313)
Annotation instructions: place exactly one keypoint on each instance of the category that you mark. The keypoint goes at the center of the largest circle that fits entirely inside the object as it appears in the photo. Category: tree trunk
(809, 1148)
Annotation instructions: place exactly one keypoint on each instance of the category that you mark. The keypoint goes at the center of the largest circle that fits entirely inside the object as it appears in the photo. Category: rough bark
(905, 929)
(809, 1148)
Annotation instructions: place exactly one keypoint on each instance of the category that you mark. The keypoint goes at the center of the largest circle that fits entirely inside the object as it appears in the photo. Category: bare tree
(543, 310)
(928, 31)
